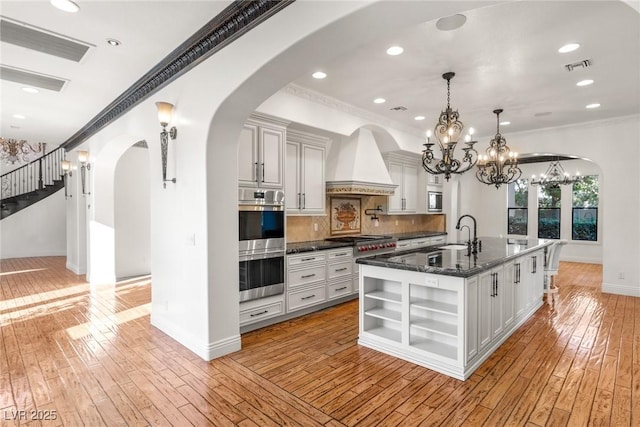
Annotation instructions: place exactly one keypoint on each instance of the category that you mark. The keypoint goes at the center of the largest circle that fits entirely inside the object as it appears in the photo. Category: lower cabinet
(261, 309)
(448, 324)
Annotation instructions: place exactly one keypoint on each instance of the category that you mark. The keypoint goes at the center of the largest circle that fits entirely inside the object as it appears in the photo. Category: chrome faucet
(474, 243)
(468, 242)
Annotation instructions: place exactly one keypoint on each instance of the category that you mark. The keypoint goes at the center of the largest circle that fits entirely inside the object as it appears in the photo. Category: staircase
(30, 183)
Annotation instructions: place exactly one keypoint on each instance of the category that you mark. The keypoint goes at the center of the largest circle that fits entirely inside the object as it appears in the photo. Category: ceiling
(505, 56)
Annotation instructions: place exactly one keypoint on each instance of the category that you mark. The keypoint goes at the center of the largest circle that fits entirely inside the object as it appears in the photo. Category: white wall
(619, 194)
(132, 214)
(37, 230)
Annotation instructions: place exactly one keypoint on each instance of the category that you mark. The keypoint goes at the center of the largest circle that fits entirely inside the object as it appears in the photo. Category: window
(549, 212)
(518, 212)
(584, 223)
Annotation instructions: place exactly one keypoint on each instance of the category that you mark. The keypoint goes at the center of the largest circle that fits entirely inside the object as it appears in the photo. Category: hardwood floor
(87, 356)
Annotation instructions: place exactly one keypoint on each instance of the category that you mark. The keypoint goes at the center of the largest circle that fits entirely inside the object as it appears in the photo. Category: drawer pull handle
(341, 269)
(308, 259)
(260, 314)
(341, 289)
(342, 254)
(306, 276)
(310, 296)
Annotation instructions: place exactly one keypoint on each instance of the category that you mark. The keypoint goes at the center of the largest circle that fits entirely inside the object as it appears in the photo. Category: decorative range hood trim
(360, 188)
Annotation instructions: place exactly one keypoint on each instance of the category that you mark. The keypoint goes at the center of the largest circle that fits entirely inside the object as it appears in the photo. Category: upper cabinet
(403, 170)
(261, 153)
(435, 180)
(304, 175)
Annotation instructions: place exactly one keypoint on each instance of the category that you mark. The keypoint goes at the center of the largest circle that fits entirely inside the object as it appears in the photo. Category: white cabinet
(261, 153)
(435, 180)
(304, 177)
(420, 242)
(448, 324)
(403, 171)
(261, 309)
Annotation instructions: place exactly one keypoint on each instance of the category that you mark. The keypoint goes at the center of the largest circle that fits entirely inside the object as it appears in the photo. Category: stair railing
(33, 176)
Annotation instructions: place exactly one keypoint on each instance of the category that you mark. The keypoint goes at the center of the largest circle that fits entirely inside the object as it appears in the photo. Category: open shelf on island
(441, 307)
(384, 314)
(384, 296)
(449, 329)
(435, 347)
(390, 334)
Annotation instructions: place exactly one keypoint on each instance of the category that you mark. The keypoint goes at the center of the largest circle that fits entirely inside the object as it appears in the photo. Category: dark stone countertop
(314, 245)
(417, 234)
(319, 245)
(450, 262)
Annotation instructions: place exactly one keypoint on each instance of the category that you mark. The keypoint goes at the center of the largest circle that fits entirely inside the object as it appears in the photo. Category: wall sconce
(374, 216)
(83, 158)
(65, 165)
(165, 111)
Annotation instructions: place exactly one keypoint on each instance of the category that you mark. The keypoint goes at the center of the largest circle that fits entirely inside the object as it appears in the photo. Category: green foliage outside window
(584, 224)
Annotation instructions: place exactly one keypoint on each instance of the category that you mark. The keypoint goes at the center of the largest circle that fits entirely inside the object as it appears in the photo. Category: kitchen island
(445, 308)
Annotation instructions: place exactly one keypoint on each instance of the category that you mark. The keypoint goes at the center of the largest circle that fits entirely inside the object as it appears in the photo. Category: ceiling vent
(580, 64)
(28, 78)
(34, 39)
(398, 108)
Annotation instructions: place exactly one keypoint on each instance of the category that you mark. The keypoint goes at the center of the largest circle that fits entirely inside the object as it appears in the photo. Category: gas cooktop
(368, 245)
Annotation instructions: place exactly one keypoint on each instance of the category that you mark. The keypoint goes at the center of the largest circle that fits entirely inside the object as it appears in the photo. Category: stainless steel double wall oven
(261, 238)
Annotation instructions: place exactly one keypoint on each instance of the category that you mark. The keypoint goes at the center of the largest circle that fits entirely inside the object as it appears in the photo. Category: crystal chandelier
(12, 150)
(500, 165)
(555, 176)
(447, 132)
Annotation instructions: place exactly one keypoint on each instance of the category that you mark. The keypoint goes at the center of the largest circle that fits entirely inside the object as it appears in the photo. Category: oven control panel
(370, 248)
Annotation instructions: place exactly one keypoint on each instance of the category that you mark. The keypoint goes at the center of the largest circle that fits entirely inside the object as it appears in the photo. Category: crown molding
(234, 21)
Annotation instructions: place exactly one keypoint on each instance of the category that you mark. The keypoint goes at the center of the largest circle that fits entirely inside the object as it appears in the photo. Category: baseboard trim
(75, 269)
(585, 260)
(45, 253)
(610, 288)
(206, 351)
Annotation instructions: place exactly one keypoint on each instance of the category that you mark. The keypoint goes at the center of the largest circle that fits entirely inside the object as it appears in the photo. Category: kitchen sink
(453, 247)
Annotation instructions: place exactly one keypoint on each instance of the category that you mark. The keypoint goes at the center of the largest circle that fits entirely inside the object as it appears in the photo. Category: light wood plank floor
(90, 357)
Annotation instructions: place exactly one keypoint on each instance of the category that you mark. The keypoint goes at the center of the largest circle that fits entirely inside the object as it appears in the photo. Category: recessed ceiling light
(19, 116)
(505, 123)
(65, 5)
(452, 22)
(594, 105)
(319, 75)
(379, 101)
(30, 89)
(569, 47)
(419, 118)
(586, 82)
(113, 42)
(395, 50)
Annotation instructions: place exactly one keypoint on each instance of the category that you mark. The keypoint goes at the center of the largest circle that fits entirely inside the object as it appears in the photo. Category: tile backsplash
(301, 228)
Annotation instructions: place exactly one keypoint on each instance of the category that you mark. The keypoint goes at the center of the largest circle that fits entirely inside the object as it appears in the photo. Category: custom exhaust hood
(356, 167)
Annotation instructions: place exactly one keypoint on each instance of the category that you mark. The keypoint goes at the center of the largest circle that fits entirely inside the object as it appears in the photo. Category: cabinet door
(271, 157)
(396, 202)
(471, 330)
(507, 291)
(410, 187)
(497, 309)
(520, 287)
(292, 191)
(248, 156)
(485, 298)
(312, 181)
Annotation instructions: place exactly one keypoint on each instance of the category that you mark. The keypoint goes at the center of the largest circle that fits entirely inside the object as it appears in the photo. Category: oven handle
(263, 255)
(252, 206)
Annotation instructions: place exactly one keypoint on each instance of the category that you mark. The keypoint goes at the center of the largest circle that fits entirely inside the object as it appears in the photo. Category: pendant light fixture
(500, 165)
(555, 176)
(447, 132)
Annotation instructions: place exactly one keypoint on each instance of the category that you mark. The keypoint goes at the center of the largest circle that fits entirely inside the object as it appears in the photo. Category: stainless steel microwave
(434, 200)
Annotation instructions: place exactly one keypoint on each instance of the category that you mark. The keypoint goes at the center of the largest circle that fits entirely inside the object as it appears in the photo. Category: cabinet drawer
(300, 299)
(261, 312)
(342, 253)
(421, 242)
(438, 240)
(340, 269)
(340, 289)
(305, 276)
(403, 244)
(306, 258)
